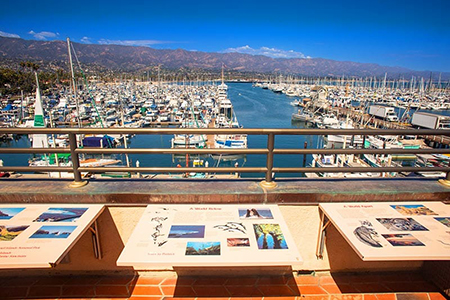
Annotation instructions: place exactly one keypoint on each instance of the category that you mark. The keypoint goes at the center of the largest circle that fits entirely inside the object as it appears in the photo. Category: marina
(216, 104)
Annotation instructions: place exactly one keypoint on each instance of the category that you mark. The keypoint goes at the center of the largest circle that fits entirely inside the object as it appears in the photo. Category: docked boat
(302, 116)
(189, 141)
(235, 141)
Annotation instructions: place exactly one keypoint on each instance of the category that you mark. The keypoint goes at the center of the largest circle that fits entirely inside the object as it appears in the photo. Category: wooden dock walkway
(365, 120)
(210, 137)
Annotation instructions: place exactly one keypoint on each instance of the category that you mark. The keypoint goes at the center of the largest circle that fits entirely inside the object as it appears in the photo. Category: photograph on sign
(413, 210)
(252, 213)
(6, 213)
(443, 220)
(9, 232)
(269, 236)
(187, 231)
(402, 240)
(401, 224)
(238, 242)
(58, 214)
(203, 248)
(53, 232)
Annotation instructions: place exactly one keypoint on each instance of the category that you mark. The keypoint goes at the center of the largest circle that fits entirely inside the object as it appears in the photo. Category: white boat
(189, 141)
(343, 161)
(235, 141)
(330, 120)
(339, 140)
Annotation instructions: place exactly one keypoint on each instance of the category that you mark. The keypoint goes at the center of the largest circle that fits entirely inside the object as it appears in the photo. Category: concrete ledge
(301, 191)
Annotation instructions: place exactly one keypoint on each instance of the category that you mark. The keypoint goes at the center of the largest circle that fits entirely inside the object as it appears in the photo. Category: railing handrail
(219, 131)
(269, 151)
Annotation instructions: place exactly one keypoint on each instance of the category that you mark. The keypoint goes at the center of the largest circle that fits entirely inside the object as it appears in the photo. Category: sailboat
(62, 159)
(39, 140)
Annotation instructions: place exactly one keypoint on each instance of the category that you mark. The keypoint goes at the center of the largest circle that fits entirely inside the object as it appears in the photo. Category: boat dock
(367, 120)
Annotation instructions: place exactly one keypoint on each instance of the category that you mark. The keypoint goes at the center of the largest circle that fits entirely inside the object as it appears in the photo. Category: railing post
(268, 183)
(78, 182)
(304, 155)
(445, 181)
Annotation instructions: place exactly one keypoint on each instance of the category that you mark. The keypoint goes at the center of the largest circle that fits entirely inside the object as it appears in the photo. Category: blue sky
(412, 34)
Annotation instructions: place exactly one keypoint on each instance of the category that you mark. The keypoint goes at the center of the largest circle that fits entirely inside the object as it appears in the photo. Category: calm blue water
(254, 107)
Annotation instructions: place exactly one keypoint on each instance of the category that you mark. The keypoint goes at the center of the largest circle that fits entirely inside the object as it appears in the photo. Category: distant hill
(130, 58)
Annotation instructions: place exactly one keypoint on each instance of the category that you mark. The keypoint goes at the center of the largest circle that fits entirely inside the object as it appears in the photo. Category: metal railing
(269, 151)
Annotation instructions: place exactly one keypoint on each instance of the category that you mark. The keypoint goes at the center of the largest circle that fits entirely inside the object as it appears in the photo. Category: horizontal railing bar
(361, 151)
(134, 169)
(34, 150)
(223, 151)
(359, 169)
(229, 169)
(35, 169)
(443, 135)
(219, 131)
(172, 170)
(173, 151)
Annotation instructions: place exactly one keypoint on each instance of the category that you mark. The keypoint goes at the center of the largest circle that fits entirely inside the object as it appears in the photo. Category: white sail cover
(39, 140)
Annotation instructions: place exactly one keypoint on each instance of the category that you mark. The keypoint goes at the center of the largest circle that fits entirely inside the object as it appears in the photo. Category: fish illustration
(365, 235)
(158, 219)
(162, 243)
(232, 227)
(237, 225)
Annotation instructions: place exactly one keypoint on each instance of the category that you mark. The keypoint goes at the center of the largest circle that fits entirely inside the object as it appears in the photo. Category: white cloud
(266, 51)
(86, 40)
(43, 35)
(10, 35)
(132, 42)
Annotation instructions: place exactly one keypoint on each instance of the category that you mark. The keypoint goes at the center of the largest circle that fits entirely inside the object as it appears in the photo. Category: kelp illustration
(269, 236)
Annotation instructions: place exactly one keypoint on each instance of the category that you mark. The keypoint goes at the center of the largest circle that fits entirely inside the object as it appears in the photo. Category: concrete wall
(117, 223)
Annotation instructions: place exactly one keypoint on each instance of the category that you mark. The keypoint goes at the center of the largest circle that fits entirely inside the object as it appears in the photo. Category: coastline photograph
(56, 214)
(187, 231)
(6, 213)
(53, 232)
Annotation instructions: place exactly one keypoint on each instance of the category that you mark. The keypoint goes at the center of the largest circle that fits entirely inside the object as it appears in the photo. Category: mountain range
(133, 58)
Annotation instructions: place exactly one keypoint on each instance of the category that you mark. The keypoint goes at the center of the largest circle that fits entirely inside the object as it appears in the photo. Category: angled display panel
(210, 235)
(393, 230)
(38, 236)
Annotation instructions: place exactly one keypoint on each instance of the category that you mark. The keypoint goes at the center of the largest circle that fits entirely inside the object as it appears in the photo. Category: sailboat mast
(74, 90)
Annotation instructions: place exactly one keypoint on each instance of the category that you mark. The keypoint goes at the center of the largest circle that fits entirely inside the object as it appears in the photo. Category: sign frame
(389, 231)
(41, 235)
(221, 235)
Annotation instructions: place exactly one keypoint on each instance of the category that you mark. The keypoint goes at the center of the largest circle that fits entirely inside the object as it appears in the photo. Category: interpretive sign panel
(38, 236)
(210, 235)
(394, 230)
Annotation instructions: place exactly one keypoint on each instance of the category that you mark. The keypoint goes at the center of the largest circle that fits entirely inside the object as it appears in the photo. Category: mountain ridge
(136, 58)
